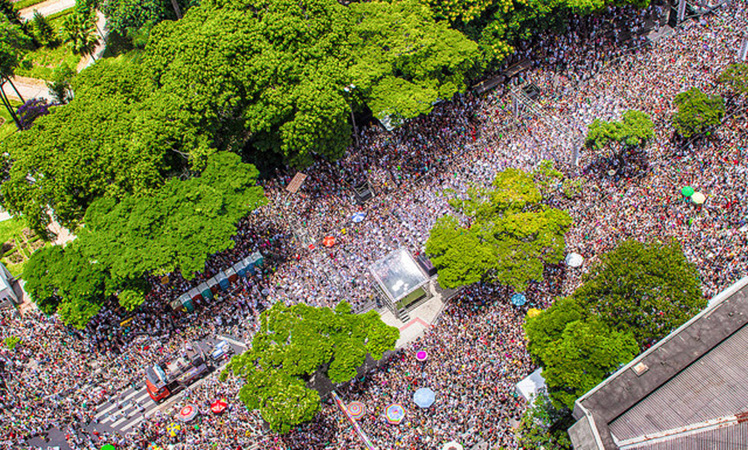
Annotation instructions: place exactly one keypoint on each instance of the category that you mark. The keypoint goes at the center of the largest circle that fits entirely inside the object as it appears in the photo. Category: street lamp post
(349, 90)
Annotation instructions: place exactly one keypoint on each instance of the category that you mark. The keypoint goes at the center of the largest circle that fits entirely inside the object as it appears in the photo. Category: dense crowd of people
(57, 376)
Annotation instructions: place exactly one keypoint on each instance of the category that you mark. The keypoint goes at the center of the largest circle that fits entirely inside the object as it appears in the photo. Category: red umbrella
(187, 413)
(218, 406)
(329, 241)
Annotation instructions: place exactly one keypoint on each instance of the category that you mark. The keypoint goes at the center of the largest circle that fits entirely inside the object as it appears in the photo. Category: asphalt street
(124, 410)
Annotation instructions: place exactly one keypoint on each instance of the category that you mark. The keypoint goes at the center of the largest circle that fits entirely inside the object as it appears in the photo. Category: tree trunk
(176, 9)
(14, 88)
(6, 103)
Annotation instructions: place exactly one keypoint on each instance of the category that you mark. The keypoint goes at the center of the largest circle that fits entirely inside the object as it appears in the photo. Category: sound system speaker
(363, 192)
(426, 265)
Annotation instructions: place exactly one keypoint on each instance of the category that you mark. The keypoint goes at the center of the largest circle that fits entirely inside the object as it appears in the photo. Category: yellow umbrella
(698, 198)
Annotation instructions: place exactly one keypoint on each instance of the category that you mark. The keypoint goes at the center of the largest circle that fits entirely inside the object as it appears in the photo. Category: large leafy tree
(70, 283)
(634, 130)
(106, 142)
(635, 295)
(697, 112)
(66, 282)
(59, 86)
(265, 72)
(645, 289)
(736, 77)
(547, 327)
(581, 357)
(296, 342)
(403, 60)
(176, 227)
(623, 140)
(511, 235)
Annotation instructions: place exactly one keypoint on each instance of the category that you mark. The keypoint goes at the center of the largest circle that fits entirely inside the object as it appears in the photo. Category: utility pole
(349, 90)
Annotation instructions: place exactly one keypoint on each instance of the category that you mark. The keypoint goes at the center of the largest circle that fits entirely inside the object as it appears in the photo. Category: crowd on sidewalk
(56, 376)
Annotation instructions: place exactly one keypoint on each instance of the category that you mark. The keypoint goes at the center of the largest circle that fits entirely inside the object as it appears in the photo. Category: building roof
(694, 376)
(712, 386)
(398, 274)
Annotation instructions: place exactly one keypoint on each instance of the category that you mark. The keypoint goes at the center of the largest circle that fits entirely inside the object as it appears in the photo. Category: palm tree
(80, 30)
(12, 47)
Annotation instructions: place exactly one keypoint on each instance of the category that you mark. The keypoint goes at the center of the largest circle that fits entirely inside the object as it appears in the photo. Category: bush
(43, 31)
(31, 110)
(12, 342)
(697, 112)
(59, 87)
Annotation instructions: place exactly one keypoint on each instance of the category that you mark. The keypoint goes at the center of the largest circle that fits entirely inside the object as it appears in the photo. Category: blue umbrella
(424, 397)
(519, 299)
(358, 217)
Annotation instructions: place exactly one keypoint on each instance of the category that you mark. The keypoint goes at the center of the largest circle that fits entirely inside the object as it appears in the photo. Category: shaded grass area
(18, 243)
(8, 127)
(42, 62)
(22, 4)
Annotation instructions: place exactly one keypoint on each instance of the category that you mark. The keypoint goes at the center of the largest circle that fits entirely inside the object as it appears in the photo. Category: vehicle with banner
(176, 372)
(221, 352)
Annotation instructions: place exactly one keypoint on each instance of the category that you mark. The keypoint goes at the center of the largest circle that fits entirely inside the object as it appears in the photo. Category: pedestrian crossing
(124, 412)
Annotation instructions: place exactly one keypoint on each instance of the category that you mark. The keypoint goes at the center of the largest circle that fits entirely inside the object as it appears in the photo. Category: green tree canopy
(296, 342)
(70, 283)
(511, 236)
(634, 130)
(178, 226)
(586, 352)
(736, 77)
(645, 289)
(66, 282)
(635, 295)
(697, 112)
(105, 142)
(548, 327)
(267, 72)
(125, 15)
(403, 60)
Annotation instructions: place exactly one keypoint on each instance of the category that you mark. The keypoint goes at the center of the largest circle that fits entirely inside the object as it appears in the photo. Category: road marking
(143, 397)
(233, 341)
(132, 423)
(114, 402)
(124, 418)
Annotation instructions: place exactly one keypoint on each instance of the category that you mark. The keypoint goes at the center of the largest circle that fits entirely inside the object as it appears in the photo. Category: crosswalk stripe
(143, 397)
(114, 403)
(131, 423)
(114, 425)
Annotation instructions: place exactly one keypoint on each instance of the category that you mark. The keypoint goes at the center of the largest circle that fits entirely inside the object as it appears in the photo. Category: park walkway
(46, 8)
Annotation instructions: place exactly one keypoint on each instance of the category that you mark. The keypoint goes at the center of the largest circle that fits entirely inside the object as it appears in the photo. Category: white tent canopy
(574, 260)
(529, 386)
